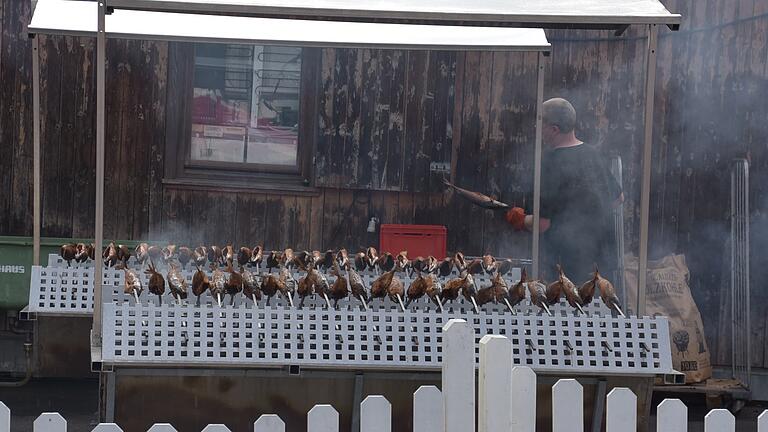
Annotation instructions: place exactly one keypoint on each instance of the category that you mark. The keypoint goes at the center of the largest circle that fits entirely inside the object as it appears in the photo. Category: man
(578, 194)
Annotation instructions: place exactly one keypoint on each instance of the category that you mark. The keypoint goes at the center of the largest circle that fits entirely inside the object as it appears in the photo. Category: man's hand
(516, 217)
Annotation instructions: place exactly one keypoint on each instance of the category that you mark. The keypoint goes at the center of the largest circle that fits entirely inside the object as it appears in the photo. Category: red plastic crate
(418, 240)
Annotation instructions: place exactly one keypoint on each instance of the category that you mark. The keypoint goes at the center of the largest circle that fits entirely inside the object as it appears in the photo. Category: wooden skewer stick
(546, 309)
(618, 309)
(159, 300)
(400, 300)
(362, 300)
(218, 299)
(290, 299)
(136, 296)
(439, 303)
(474, 304)
(578, 306)
(509, 306)
(327, 302)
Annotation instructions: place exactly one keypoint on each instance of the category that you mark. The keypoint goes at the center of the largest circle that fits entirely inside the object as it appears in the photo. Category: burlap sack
(669, 295)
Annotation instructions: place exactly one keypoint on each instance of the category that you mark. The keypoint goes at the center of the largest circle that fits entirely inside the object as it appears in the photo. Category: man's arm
(521, 221)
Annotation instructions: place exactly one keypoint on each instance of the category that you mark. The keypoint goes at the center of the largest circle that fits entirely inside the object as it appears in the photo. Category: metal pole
(645, 186)
(98, 268)
(36, 149)
(537, 166)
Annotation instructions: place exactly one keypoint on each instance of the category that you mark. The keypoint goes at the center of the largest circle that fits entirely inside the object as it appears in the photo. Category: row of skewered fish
(256, 285)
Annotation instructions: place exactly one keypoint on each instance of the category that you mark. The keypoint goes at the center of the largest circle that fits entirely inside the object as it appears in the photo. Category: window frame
(182, 171)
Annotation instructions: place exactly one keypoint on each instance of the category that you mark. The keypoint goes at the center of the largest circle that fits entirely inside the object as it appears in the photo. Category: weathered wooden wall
(385, 115)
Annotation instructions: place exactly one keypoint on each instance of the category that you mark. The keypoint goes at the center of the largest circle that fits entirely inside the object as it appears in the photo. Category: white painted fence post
(216, 428)
(719, 420)
(567, 406)
(762, 422)
(459, 376)
(107, 427)
(5, 418)
(323, 418)
(162, 427)
(621, 411)
(672, 416)
(495, 386)
(269, 423)
(523, 399)
(375, 414)
(50, 422)
(428, 410)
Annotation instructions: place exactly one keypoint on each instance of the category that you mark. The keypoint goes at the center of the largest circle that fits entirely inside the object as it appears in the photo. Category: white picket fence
(507, 401)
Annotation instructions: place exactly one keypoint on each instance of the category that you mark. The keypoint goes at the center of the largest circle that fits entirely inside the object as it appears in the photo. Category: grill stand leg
(599, 409)
(358, 399)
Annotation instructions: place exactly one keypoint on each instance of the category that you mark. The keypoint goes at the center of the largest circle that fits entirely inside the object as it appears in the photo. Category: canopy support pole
(36, 149)
(537, 165)
(645, 191)
(98, 269)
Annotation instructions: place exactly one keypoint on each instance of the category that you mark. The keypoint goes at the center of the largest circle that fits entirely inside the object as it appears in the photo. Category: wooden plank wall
(385, 115)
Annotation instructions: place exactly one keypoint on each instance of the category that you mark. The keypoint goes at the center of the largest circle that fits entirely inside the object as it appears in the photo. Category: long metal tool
(36, 150)
(537, 167)
(645, 185)
(618, 226)
(741, 353)
(99, 226)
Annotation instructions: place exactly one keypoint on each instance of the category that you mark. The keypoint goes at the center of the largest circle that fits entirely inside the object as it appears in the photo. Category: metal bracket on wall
(440, 168)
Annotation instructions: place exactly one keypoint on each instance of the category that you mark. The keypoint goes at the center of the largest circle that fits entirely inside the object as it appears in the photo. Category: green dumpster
(16, 265)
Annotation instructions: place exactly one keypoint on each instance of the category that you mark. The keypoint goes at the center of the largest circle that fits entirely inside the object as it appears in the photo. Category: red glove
(516, 217)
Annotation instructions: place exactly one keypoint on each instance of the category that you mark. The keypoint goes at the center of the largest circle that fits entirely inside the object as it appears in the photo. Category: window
(246, 117)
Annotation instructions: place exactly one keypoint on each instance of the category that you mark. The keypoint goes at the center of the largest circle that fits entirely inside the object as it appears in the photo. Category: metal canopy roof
(79, 18)
(543, 13)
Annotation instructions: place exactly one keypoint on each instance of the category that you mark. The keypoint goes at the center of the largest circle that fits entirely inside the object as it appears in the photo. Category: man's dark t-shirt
(577, 194)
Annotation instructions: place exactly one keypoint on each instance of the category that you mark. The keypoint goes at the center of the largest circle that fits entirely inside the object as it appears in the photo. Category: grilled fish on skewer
(445, 267)
(554, 292)
(301, 260)
(607, 292)
(570, 290)
(233, 284)
(357, 287)
(155, 254)
(328, 259)
(587, 289)
(169, 253)
(416, 290)
(517, 293)
(538, 292)
(320, 285)
(501, 290)
(257, 254)
(228, 255)
(218, 284)
(504, 266)
(475, 266)
(185, 256)
(469, 291)
(477, 198)
(286, 285)
(361, 261)
(215, 255)
(434, 290)
(251, 285)
(200, 256)
(342, 258)
(453, 287)
(418, 264)
(200, 284)
(385, 262)
(269, 286)
(67, 252)
(489, 264)
(396, 291)
(431, 264)
(132, 283)
(273, 260)
(142, 253)
(83, 252)
(110, 255)
(380, 285)
(286, 258)
(176, 282)
(156, 284)
(402, 261)
(340, 288)
(371, 255)
(304, 288)
(459, 262)
(243, 256)
(123, 254)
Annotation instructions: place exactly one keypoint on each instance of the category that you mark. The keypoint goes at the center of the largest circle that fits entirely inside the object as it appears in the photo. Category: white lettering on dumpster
(11, 269)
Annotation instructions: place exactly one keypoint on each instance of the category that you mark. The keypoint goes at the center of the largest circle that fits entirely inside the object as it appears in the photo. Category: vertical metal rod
(734, 244)
(36, 149)
(537, 167)
(99, 227)
(645, 185)
(747, 300)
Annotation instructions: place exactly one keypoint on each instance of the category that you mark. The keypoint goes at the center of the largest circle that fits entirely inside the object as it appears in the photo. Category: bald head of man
(559, 122)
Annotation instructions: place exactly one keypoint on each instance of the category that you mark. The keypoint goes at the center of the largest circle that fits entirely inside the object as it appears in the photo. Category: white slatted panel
(621, 411)
(5, 418)
(323, 418)
(523, 399)
(216, 428)
(162, 427)
(269, 423)
(567, 406)
(107, 427)
(719, 420)
(762, 422)
(428, 410)
(458, 379)
(50, 422)
(375, 415)
(672, 416)
(495, 384)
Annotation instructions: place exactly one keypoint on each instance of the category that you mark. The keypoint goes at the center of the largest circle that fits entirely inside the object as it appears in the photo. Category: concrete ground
(77, 401)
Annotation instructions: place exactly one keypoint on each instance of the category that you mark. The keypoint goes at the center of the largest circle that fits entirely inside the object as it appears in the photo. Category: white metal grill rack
(377, 339)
